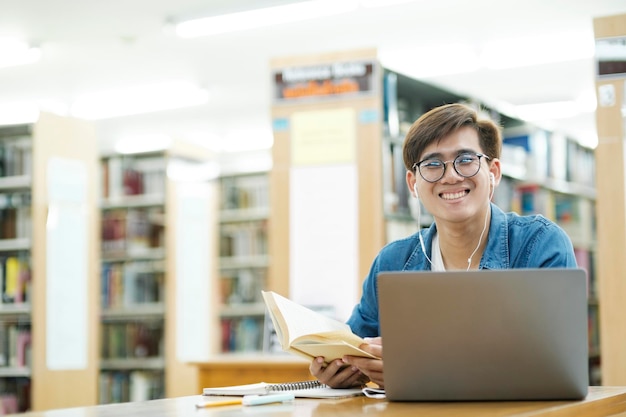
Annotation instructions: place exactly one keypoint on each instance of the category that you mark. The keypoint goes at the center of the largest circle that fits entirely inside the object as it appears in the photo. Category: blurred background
(95, 60)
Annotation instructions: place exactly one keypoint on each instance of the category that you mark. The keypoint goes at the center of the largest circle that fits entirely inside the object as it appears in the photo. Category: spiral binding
(291, 386)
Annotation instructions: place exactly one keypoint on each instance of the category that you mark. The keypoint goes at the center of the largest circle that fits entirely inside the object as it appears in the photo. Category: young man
(451, 157)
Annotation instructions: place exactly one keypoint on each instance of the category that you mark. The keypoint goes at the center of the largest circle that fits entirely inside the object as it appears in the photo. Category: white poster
(66, 265)
(324, 243)
(194, 246)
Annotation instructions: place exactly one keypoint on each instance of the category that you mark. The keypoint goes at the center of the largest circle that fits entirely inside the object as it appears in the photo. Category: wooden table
(601, 401)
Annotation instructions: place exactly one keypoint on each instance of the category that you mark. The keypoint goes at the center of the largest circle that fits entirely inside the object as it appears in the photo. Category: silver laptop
(516, 334)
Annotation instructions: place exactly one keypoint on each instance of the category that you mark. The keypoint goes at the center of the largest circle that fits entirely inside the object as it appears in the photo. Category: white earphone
(492, 179)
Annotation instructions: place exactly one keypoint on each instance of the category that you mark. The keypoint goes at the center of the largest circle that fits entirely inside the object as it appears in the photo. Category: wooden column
(75, 141)
(611, 212)
(368, 162)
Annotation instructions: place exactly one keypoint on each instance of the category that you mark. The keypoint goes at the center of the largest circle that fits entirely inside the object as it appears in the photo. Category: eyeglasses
(466, 165)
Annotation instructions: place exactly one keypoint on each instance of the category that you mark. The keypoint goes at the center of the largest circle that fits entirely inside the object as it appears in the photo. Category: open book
(300, 389)
(307, 333)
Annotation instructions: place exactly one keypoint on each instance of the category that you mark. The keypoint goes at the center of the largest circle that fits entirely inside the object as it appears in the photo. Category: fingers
(372, 368)
(373, 345)
(337, 374)
(376, 350)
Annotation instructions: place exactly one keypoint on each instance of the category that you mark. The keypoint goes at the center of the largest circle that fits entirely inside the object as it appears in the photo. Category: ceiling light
(252, 19)
(27, 111)
(432, 61)
(15, 52)
(585, 103)
(382, 3)
(17, 113)
(535, 50)
(142, 143)
(548, 111)
(138, 99)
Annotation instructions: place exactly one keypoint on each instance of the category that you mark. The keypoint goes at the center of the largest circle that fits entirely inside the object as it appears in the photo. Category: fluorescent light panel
(138, 99)
(142, 143)
(382, 3)
(536, 50)
(27, 111)
(14, 52)
(20, 112)
(270, 16)
(586, 103)
(547, 111)
(433, 61)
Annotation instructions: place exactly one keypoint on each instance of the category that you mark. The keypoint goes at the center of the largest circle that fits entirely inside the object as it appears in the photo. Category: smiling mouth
(454, 196)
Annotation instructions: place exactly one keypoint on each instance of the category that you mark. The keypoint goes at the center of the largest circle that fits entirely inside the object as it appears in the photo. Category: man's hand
(337, 374)
(372, 368)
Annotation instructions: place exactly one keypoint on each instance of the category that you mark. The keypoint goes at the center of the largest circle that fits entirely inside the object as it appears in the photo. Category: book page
(329, 351)
(302, 321)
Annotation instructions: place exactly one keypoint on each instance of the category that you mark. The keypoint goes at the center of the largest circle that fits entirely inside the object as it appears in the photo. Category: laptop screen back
(517, 334)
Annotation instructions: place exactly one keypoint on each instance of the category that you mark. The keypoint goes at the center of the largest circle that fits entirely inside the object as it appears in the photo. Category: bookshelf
(244, 259)
(554, 175)
(46, 183)
(15, 260)
(151, 217)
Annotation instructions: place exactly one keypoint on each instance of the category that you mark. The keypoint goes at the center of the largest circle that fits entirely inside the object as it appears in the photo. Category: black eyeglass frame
(416, 166)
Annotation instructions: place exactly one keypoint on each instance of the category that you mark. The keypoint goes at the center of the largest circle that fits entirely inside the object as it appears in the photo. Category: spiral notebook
(301, 389)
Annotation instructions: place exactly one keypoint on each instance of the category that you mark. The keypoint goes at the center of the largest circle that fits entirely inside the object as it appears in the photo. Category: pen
(250, 400)
(218, 403)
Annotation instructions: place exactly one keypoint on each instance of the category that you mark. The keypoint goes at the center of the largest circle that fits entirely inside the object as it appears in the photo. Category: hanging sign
(322, 81)
(611, 57)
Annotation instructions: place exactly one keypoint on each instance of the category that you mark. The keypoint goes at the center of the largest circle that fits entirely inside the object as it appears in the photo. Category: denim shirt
(514, 242)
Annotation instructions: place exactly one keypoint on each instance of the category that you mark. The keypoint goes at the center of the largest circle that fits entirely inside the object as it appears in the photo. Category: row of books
(15, 279)
(15, 345)
(15, 215)
(132, 340)
(396, 195)
(127, 176)
(15, 271)
(125, 386)
(244, 204)
(594, 330)
(242, 334)
(14, 395)
(242, 286)
(244, 192)
(131, 283)
(243, 239)
(547, 155)
(132, 231)
(15, 199)
(15, 156)
(573, 213)
(585, 259)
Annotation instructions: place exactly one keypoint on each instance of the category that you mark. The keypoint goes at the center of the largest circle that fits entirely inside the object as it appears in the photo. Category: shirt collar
(495, 256)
